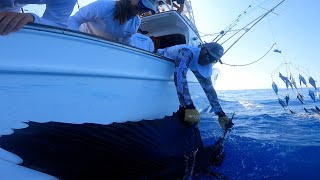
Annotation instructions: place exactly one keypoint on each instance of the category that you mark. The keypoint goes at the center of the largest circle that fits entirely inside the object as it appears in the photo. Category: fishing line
(263, 16)
(244, 28)
(234, 65)
(78, 5)
(237, 20)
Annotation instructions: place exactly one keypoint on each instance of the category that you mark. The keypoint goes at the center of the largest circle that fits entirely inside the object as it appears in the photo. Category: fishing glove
(189, 114)
(224, 121)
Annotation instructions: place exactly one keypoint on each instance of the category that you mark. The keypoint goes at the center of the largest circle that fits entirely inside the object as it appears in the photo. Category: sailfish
(301, 79)
(275, 87)
(285, 80)
(312, 82)
(293, 81)
(300, 98)
(287, 99)
(282, 103)
(311, 94)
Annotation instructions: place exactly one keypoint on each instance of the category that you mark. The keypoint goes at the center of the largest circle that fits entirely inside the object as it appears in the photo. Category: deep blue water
(267, 142)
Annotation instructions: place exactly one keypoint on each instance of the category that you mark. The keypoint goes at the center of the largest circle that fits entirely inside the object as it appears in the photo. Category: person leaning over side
(56, 13)
(199, 61)
(115, 20)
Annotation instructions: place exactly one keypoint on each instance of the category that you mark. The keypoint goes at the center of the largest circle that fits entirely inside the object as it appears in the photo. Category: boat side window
(161, 42)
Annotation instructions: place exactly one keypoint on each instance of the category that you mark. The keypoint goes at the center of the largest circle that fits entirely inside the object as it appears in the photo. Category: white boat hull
(54, 75)
(50, 76)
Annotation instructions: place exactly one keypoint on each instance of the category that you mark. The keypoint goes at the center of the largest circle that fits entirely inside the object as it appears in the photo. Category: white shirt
(173, 52)
(56, 14)
(98, 18)
(142, 41)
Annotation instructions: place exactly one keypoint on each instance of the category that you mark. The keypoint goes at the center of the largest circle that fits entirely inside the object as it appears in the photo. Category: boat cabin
(170, 28)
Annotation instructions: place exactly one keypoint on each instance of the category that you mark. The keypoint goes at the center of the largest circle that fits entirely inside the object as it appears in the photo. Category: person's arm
(207, 87)
(136, 21)
(151, 45)
(86, 14)
(187, 111)
(57, 13)
(180, 76)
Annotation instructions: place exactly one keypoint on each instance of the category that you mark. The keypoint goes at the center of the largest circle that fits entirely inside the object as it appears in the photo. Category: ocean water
(266, 142)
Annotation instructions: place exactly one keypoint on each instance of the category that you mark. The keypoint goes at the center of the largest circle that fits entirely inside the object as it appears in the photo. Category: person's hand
(224, 121)
(11, 21)
(192, 116)
(189, 114)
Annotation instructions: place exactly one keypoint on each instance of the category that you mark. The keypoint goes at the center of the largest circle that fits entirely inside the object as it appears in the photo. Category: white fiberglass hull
(54, 75)
(46, 75)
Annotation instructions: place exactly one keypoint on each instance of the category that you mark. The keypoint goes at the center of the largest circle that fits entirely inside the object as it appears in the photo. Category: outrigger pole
(248, 29)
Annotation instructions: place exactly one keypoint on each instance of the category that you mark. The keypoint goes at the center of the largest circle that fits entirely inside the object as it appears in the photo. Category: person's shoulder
(101, 7)
(185, 46)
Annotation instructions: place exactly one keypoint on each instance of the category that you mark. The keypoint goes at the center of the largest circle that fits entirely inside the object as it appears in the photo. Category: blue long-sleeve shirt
(187, 57)
(56, 14)
(98, 18)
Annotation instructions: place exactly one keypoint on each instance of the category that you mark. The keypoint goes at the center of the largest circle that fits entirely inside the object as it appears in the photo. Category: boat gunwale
(91, 37)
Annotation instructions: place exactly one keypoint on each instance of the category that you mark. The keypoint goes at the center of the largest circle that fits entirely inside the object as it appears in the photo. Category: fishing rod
(235, 22)
(231, 26)
(244, 28)
(262, 17)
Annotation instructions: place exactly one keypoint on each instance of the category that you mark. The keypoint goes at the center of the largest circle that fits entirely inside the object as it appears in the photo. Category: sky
(294, 27)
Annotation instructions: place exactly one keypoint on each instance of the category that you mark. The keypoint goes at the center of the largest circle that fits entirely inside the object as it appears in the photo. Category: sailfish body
(282, 103)
(313, 82)
(285, 80)
(293, 81)
(300, 98)
(275, 88)
(287, 99)
(311, 94)
(301, 79)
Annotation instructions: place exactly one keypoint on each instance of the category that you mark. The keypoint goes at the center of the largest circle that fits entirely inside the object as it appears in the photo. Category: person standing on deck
(199, 61)
(56, 14)
(179, 7)
(115, 20)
